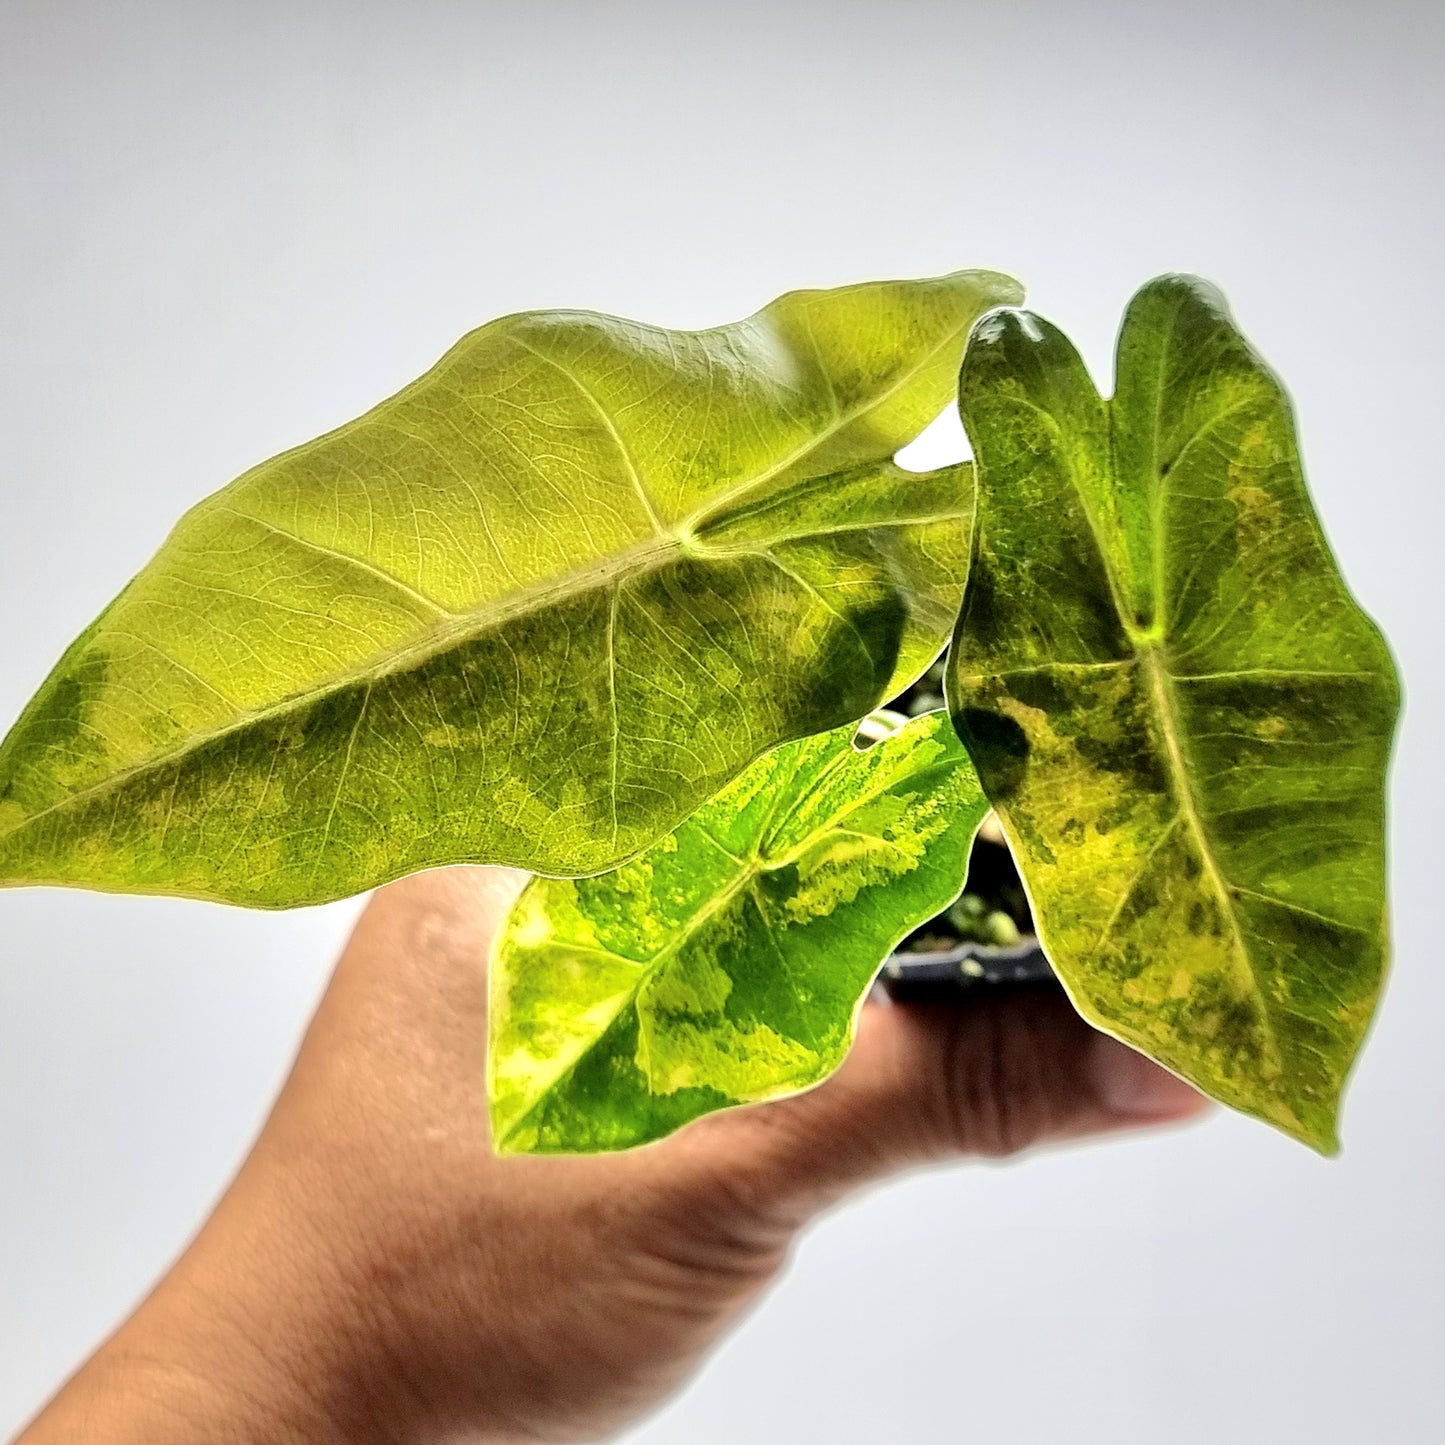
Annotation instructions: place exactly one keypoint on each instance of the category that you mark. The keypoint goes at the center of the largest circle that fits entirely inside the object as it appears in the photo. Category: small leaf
(533, 609)
(728, 963)
(1179, 712)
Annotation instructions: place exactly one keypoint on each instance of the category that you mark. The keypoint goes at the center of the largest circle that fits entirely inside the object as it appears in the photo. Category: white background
(227, 227)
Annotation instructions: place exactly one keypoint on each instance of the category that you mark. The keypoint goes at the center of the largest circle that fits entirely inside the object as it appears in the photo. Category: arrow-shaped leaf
(1180, 713)
(533, 609)
(726, 964)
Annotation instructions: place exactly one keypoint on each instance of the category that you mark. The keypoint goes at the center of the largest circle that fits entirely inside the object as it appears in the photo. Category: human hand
(376, 1273)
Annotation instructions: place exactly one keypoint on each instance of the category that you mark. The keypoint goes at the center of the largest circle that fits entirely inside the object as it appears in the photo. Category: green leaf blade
(532, 610)
(1180, 713)
(726, 964)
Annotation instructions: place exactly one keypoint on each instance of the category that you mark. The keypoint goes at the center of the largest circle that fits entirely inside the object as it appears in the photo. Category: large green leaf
(727, 963)
(1180, 713)
(533, 609)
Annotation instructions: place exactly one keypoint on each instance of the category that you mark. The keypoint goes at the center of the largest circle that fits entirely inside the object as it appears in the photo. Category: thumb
(986, 1078)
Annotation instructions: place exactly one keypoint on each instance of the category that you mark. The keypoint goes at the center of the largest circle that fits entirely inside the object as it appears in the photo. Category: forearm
(229, 1350)
(266, 1330)
(139, 1391)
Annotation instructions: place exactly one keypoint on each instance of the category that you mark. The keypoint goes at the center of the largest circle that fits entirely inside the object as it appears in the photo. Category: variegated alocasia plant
(592, 595)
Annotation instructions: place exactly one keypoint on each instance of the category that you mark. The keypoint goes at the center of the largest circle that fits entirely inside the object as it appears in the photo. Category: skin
(376, 1274)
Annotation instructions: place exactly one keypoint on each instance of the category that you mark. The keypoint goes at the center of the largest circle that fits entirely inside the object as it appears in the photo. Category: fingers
(987, 1078)
(995, 1077)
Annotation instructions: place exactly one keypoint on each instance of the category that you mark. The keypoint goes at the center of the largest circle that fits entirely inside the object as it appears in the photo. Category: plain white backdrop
(227, 227)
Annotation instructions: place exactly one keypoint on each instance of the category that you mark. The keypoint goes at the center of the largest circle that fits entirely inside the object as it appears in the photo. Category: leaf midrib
(1164, 705)
(415, 653)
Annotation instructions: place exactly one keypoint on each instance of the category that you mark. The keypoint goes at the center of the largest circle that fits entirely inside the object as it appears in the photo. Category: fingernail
(1131, 1085)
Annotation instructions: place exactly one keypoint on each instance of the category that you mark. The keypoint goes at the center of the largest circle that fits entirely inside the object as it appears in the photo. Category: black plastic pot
(967, 969)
